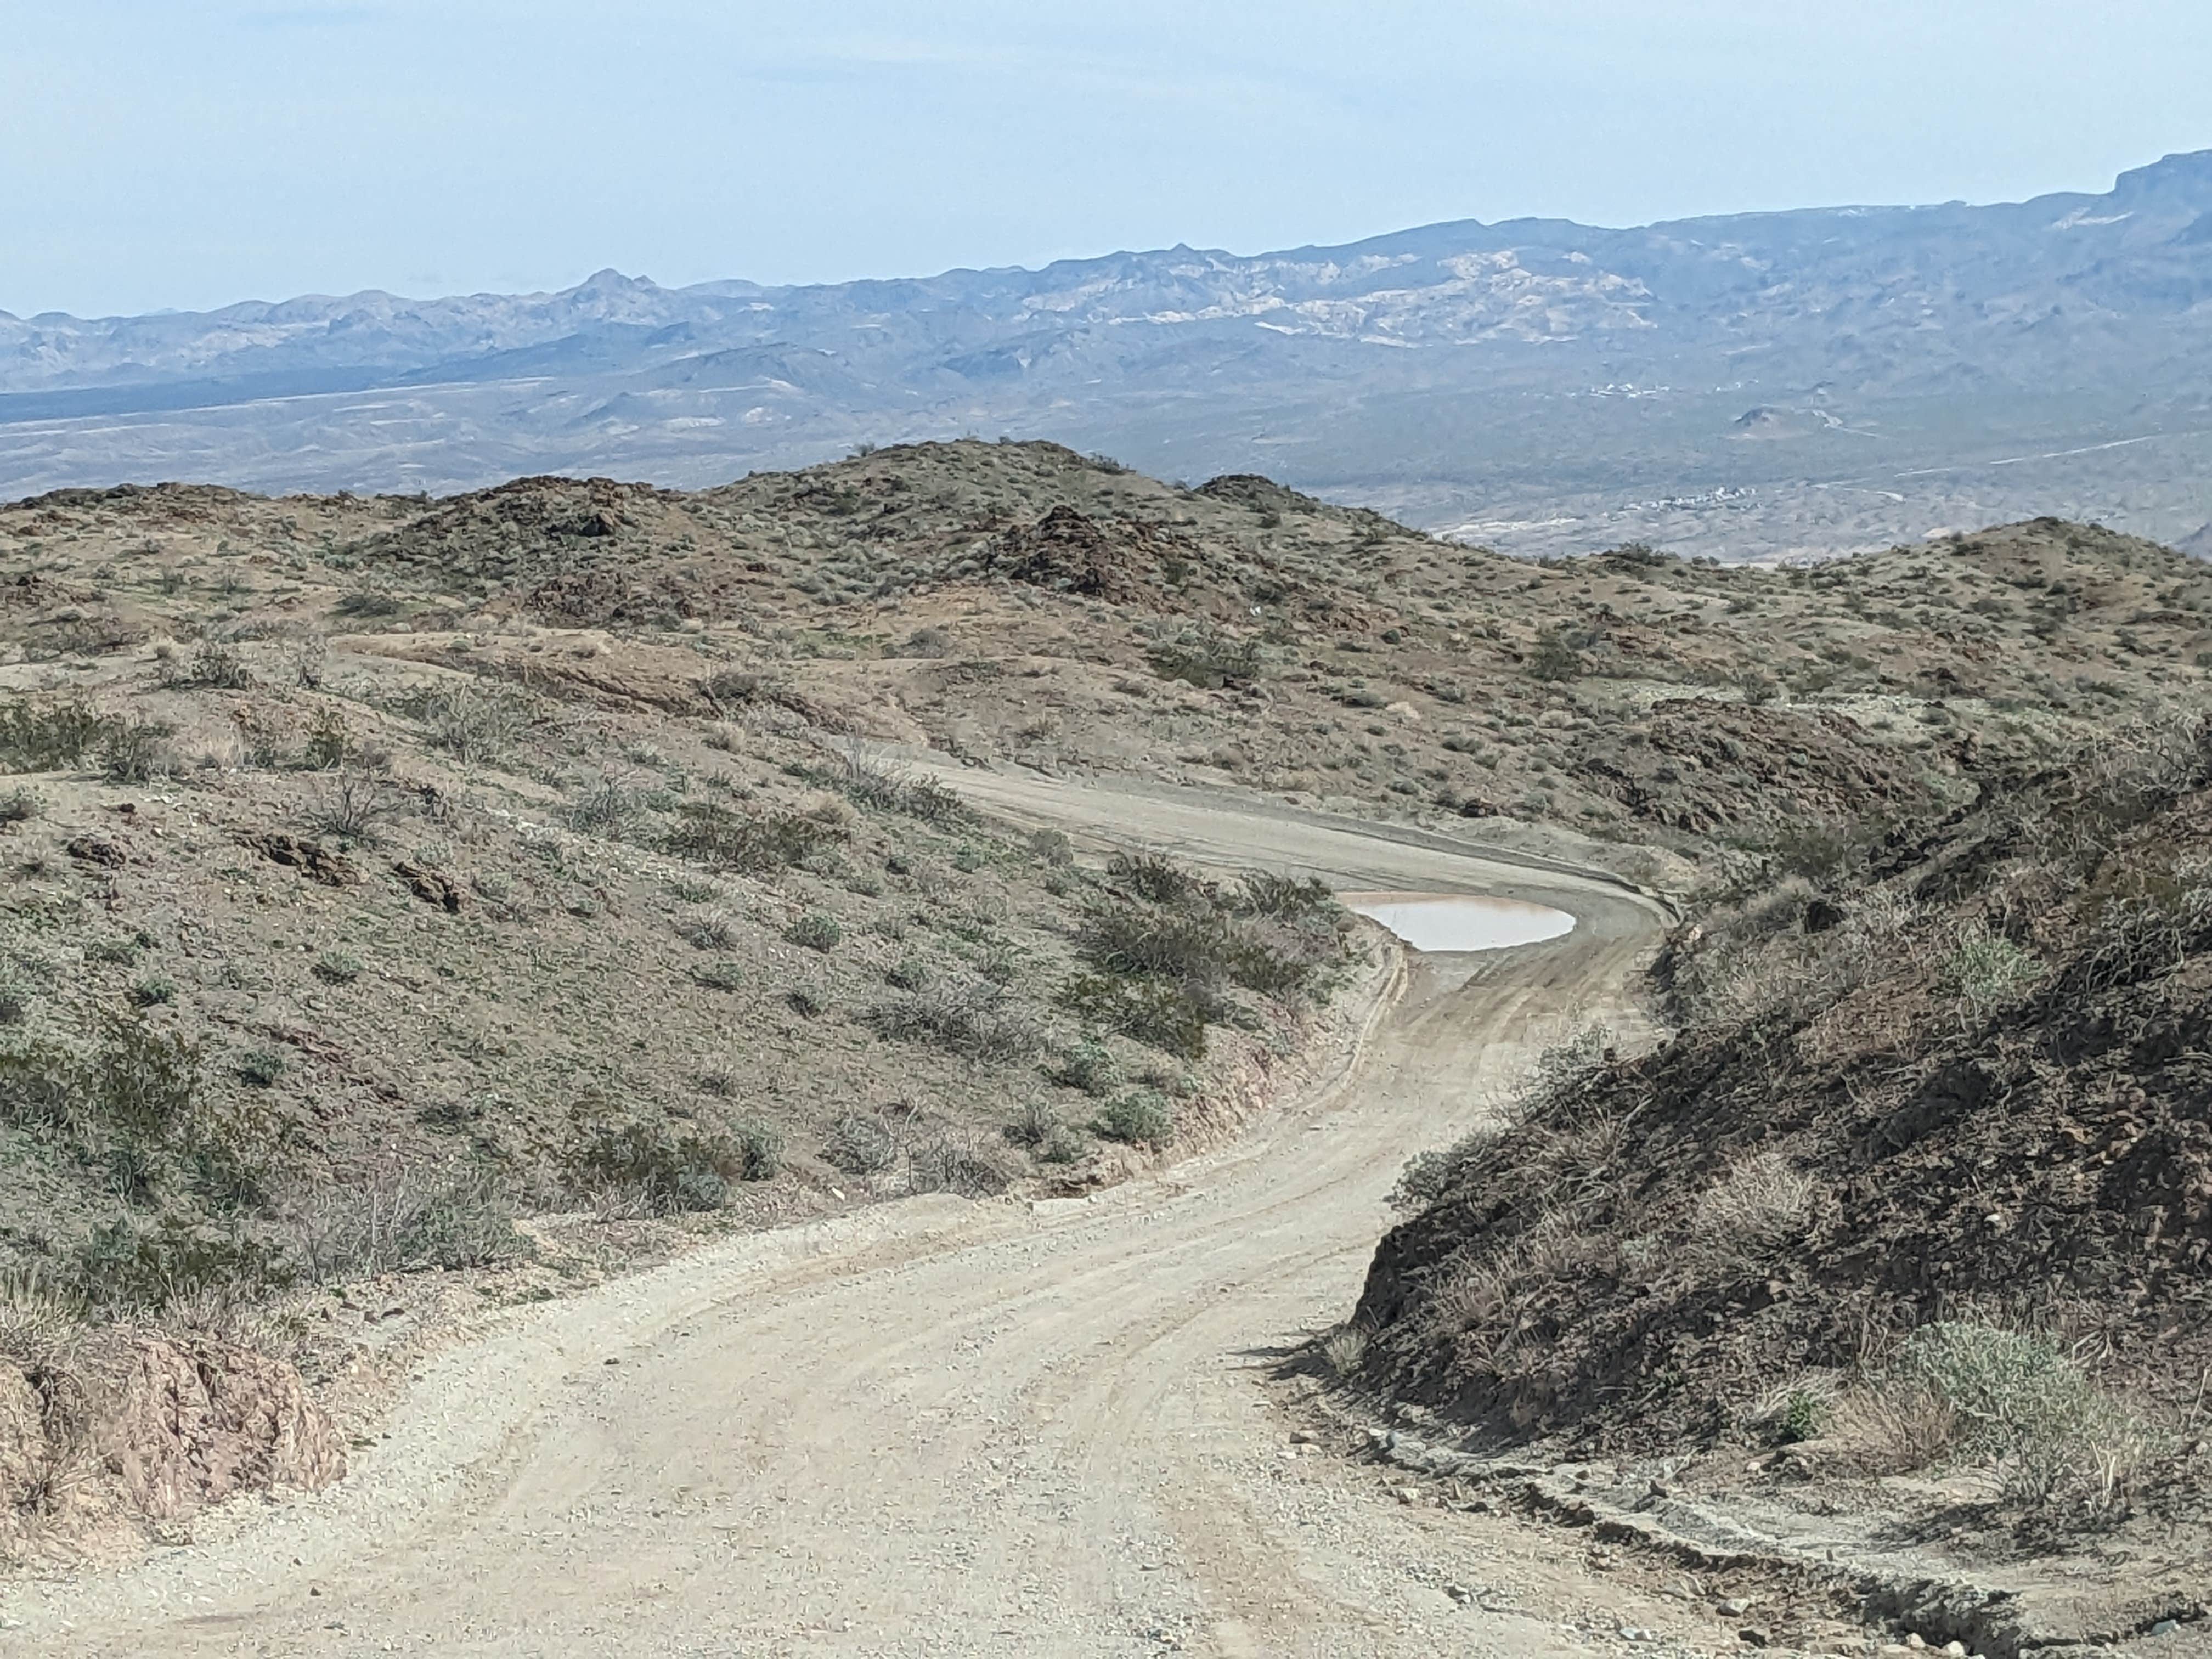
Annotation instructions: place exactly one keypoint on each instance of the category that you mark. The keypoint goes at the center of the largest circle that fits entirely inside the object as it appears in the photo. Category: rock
(430, 886)
(199, 1421)
(1914, 1642)
(1956, 1650)
(2165, 1627)
(1751, 1637)
(310, 859)
(90, 849)
(1735, 1606)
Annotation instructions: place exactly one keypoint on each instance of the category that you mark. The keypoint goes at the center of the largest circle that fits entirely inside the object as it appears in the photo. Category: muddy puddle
(1439, 923)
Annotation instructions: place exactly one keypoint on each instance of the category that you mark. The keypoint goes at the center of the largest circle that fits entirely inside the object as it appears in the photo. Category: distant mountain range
(1747, 385)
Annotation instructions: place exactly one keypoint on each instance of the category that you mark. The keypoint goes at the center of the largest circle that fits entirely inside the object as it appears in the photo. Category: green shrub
(662, 1171)
(49, 737)
(718, 975)
(1167, 1016)
(1039, 1128)
(153, 991)
(1161, 880)
(606, 810)
(1988, 968)
(1209, 658)
(128, 1266)
(337, 968)
(707, 929)
(474, 723)
(133, 751)
(1141, 1116)
(1089, 1067)
(1267, 895)
(890, 788)
(714, 834)
(816, 931)
(2021, 1401)
(262, 1068)
(910, 972)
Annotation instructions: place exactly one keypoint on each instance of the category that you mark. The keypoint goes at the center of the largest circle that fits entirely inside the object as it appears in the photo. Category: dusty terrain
(423, 910)
(951, 1428)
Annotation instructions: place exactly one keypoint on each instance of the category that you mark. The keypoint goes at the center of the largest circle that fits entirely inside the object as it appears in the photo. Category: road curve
(938, 1427)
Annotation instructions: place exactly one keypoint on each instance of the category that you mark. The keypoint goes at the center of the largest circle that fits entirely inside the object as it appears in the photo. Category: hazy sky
(189, 152)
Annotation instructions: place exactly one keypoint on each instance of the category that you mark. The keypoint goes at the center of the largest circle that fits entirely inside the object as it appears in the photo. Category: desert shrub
(1164, 1015)
(606, 808)
(1759, 1201)
(366, 606)
(1141, 1116)
(910, 972)
(476, 724)
(815, 931)
(21, 806)
(871, 781)
(2018, 1401)
(153, 991)
(861, 1143)
(1554, 659)
(133, 751)
(1268, 894)
(127, 1266)
(1209, 658)
(350, 806)
(215, 667)
(1052, 846)
(131, 1106)
(1343, 1351)
(337, 968)
(1552, 1090)
(261, 1068)
(707, 929)
(1089, 1067)
(650, 1165)
(48, 737)
(15, 998)
(808, 1001)
(330, 741)
(970, 1016)
(748, 843)
(1987, 968)
(1158, 879)
(401, 1221)
(718, 975)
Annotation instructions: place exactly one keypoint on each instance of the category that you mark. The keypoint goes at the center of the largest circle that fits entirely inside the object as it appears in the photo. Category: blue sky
(188, 154)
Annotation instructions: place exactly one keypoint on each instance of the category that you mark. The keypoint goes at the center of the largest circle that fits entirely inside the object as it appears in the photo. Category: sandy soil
(941, 1427)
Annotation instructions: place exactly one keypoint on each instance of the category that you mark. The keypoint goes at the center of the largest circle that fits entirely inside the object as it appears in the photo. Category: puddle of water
(1437, 923)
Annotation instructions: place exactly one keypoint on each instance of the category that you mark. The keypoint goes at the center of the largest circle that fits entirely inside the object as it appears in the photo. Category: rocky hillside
(1908, 1223)
(500, 885)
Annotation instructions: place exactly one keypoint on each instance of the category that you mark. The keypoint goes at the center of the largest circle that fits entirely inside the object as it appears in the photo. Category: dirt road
(949, 1428)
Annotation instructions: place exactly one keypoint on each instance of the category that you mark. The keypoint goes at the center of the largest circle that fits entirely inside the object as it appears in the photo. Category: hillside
(514, 885)
(1821, 380)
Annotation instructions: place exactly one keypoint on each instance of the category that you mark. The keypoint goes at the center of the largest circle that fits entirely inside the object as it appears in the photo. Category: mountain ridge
(1533, 372)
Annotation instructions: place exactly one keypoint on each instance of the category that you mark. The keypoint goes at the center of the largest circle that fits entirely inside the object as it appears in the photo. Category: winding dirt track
(940, 1427)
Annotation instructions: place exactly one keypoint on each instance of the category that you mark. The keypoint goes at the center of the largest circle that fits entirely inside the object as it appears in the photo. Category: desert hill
(474, 895)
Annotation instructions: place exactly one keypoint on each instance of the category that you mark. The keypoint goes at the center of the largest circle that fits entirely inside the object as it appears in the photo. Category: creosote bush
(400, 1221)
(750, 843)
